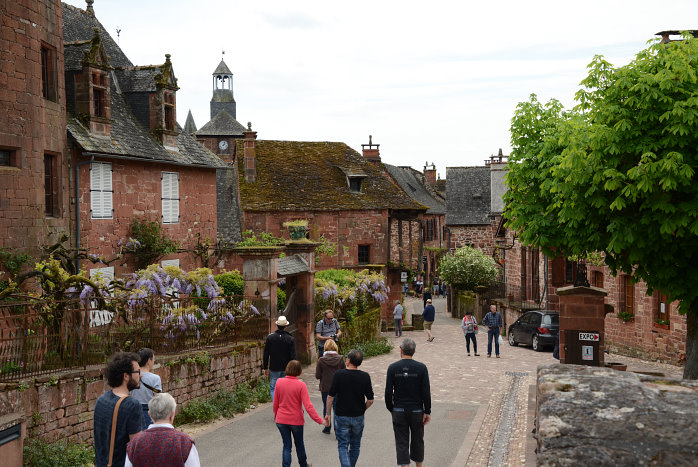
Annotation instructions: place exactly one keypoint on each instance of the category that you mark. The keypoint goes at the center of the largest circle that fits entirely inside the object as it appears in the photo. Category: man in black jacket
(279, 349)
(408, 398)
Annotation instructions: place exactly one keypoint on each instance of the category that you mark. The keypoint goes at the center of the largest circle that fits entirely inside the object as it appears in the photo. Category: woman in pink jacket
(290, 396)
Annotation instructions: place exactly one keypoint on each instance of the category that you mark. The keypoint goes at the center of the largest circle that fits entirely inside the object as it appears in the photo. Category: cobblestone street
(481, 405)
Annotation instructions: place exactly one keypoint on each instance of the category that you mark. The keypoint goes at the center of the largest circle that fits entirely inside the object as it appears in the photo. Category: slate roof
(290, 265)
(410, 180)
(468, 196)
(296, 175)
(138, 79)
(222, 69)
(127, 137)
(189, 125)
(223, 124)
(79, 26)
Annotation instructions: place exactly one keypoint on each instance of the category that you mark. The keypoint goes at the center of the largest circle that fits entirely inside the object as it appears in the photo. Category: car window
(535, 319)
(525, 319)
(551, 320)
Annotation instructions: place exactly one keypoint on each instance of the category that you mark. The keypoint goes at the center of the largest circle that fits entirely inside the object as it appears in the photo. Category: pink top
(290, 396)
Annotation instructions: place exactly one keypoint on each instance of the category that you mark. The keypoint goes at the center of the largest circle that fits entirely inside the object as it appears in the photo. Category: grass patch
(379, 346)
(58, 454)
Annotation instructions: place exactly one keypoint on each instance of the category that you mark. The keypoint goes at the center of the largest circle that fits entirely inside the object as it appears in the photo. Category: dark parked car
(538, 328)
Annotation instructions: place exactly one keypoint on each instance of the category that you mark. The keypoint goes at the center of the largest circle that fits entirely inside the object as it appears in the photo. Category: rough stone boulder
(600, 416)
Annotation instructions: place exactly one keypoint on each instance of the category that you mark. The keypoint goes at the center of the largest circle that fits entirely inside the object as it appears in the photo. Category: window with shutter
(170, 198)
(101, 192)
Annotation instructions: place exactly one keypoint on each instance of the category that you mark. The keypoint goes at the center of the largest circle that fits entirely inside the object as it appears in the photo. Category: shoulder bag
(113, 430)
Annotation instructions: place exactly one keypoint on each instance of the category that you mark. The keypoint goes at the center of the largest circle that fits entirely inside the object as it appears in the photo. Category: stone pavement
(480, 407)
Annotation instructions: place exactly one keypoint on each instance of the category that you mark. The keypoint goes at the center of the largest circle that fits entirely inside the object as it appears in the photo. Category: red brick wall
(62, 408)
(29, 124)
(137, 193)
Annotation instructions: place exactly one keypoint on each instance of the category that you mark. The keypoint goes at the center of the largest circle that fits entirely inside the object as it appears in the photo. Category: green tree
(467, 268)
(616, 174)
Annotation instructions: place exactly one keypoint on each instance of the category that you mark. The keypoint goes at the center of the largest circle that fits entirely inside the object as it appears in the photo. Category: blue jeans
(273, 376)
(297, 432)
(398, 327)
(349, 431)
(493, 333)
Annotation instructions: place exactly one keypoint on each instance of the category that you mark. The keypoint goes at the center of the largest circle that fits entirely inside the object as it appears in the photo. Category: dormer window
(355, 184)
(170, 112)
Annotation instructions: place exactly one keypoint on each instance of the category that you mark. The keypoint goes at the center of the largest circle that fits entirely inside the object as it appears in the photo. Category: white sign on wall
(403, 277)
(587, 352)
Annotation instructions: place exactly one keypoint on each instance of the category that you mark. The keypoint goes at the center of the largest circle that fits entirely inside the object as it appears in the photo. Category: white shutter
(170, 198)
(101, 190)
(101, 317)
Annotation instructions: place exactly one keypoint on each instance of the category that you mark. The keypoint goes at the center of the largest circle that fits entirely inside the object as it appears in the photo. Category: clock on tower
(223, 145)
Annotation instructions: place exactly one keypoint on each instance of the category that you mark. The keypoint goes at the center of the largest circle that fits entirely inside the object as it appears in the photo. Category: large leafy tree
(467, 268)
(617, 173)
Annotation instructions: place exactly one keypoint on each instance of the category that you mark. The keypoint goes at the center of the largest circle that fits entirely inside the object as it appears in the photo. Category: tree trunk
(690, 371)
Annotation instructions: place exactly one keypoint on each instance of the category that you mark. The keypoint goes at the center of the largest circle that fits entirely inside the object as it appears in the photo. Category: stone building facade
(34, 200)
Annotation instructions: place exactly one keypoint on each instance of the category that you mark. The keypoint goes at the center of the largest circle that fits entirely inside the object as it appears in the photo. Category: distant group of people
(347, 392)
(122, 436)
(421, 289)
(492, 321)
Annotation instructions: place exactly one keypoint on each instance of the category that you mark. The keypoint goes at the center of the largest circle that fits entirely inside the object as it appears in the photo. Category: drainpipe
(547, 291)
(77, 206)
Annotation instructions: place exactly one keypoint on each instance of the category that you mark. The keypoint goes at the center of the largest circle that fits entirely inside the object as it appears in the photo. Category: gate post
(581, 320)
(259, 275)
(305, 299)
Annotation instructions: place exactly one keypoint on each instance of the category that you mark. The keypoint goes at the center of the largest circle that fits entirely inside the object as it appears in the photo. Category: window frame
(103, 193)
(98, 82)
(662, 299)
(49, 75)
(170, 198)
(355, 184)
(50, 185)
(365, 254)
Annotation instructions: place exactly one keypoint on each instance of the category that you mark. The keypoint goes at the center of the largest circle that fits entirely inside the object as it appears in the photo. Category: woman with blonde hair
(325, 369)
(290, 396)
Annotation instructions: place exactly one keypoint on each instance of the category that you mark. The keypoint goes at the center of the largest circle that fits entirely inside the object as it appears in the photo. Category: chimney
(430, 174)
(371, 152)
(498, 170)
(249, 153)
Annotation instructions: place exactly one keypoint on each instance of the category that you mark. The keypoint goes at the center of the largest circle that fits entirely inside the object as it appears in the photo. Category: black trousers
(470, 337)
(406, 423)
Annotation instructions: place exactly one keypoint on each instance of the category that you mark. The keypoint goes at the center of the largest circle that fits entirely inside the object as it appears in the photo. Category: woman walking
(326, 367)
(290, 396)
(469, 326)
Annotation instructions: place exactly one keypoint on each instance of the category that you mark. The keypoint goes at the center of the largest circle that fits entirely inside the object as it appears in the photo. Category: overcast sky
(434, 81)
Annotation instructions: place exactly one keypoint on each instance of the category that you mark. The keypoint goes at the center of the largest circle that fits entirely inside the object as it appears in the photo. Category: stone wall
(31, 126)
(137, 193)
(599, 416)
(481, 237)
(61, 406)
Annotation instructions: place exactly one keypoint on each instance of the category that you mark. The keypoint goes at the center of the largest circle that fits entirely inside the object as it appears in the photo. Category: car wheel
(535, 343)
(512, 341)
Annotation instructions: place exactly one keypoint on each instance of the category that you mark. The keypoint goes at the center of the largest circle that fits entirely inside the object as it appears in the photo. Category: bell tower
(222, 91)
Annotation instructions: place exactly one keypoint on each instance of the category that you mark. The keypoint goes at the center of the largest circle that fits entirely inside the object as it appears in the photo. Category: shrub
(280, 299)
(59, 454)
(261, 391)
(231, 283)
(153, 243)
(242, 398)
(376, 347)
(467, 268)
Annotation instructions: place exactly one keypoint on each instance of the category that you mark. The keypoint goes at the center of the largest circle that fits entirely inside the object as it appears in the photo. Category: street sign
(403, 277)
(589, 336)
(587, 352)
(424, 259)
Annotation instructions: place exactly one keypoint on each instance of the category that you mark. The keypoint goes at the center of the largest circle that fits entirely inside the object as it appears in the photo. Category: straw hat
(282, 321)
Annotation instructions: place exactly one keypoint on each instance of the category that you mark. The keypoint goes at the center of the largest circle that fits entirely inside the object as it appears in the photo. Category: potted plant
(297, 229)
(662, 323)
(626, 316)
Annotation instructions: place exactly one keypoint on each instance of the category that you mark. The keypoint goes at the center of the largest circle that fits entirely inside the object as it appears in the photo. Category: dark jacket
(407, 386)
(279, 349)
(429, 313)
(326, 367)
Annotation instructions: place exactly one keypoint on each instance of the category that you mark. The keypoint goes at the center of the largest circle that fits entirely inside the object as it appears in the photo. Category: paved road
(479, 408)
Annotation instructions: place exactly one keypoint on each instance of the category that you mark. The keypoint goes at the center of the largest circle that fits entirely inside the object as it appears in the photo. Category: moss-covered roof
(296, 175)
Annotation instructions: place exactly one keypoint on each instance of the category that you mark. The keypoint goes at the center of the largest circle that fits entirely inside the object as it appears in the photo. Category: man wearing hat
(279, 349)
(428, 315)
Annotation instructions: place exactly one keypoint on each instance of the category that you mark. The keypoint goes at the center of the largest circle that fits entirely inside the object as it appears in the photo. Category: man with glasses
(123, 374)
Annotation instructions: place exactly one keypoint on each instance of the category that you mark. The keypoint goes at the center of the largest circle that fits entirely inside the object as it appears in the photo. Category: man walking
(354, 392)
(493, 321)
(161, 444)
(408, 398)
(279, 349)
(429, 314)
(326, 329)
(397, 316)
(123, 374)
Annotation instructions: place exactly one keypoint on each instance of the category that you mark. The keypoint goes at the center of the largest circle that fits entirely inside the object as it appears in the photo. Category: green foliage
(231, 283)
(376, 347)
(617, 174)
(663, 321)
(224, 403)
(362, 329)
(58, 454)
(467, 268)
(13, 261)
(341, 277)
(153, 243)
(626, 316)
(280, 298)
(325, 248)
(249, 238)
(348, 293)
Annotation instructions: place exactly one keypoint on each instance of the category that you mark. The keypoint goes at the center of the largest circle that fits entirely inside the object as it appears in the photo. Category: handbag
(113, 430)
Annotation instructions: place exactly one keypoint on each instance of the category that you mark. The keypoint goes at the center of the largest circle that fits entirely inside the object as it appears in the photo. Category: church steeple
(222, 91)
